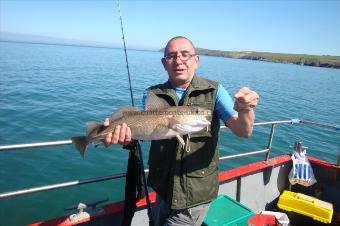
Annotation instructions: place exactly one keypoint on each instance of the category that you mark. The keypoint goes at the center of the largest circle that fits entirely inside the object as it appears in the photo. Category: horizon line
(97, 44)
(75, 45)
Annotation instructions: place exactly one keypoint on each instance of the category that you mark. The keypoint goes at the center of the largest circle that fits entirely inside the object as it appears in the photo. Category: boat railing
(121, 175)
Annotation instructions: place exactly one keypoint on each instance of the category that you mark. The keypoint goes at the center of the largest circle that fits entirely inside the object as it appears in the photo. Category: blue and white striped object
(302, 172)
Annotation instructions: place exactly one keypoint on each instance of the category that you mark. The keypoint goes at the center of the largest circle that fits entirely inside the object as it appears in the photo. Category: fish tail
(80, 143)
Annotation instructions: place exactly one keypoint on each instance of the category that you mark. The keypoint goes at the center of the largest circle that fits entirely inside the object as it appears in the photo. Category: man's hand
(242, 123)
(245, 99)
(120, 135)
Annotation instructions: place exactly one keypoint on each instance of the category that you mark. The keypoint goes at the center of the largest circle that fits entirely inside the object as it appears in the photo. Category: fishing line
(126, 58)
(138, 147)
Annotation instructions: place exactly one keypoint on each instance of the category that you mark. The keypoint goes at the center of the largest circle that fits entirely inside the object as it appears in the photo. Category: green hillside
(299, 59)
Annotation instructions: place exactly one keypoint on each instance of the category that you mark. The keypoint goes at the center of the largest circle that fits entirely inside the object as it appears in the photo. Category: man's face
(180, 62)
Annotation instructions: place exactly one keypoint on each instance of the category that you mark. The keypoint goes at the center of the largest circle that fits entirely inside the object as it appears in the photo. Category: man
(186, 181)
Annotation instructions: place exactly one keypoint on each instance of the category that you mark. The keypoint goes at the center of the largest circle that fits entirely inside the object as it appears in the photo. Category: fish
(157, 121)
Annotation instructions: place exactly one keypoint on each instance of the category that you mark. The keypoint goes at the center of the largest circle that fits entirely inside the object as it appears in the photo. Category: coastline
(326, 61)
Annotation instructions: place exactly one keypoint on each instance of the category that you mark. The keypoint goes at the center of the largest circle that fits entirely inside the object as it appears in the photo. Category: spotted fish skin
(157, 122)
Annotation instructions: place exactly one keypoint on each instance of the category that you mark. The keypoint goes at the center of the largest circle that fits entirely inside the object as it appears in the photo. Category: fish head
(192, 119)
(199, 111)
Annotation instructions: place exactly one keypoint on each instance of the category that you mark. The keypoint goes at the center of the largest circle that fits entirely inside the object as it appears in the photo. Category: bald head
(175, 38)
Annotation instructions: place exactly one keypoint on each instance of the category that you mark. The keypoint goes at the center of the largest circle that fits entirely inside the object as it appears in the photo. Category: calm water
(48, 92)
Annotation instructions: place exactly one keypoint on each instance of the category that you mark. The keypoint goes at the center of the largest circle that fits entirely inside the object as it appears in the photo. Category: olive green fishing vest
(185, 179)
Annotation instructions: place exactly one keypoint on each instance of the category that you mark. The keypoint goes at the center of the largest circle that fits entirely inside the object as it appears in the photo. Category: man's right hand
(120, 135)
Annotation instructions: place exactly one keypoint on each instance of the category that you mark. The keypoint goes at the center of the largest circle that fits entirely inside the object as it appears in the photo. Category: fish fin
(179, 127)
(172, 123)
(96, 143)
(123, 110)
(153, 102)
(81, 144)
(91, 126)
(180, 139)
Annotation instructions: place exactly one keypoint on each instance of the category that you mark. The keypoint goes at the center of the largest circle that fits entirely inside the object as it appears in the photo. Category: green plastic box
(225, 211)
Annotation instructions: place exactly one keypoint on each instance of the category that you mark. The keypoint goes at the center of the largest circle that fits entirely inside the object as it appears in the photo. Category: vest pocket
(204, 171)
(202, 185)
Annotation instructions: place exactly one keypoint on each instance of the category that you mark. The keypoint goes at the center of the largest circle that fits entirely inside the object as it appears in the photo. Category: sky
(304, 27)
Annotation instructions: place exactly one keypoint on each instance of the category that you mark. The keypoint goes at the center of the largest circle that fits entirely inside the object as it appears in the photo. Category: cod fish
(157, 121)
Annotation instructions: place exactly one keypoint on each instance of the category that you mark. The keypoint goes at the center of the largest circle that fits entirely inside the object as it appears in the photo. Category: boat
(257, 186)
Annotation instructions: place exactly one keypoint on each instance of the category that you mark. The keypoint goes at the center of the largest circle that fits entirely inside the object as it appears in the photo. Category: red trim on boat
(60, 221)
(322, 162)
(252, 167)
(108, 210)
(64, 221)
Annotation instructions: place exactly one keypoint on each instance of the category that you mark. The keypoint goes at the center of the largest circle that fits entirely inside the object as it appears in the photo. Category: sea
(49, 92)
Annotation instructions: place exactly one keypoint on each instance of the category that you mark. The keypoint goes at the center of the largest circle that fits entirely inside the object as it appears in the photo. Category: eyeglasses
(184, 57)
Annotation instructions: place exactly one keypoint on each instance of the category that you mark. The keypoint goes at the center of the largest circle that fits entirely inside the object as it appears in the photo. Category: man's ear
(164, 63)
(197, 58)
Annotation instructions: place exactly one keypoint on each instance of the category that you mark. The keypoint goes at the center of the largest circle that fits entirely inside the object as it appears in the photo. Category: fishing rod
(126, 58)
(137, 144)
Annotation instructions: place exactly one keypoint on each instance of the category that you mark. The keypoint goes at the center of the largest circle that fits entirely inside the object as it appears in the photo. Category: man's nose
(178, 59)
